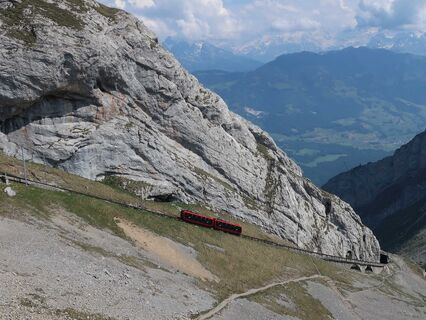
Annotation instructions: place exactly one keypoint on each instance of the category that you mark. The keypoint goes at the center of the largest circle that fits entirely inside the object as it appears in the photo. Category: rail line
(320, 255)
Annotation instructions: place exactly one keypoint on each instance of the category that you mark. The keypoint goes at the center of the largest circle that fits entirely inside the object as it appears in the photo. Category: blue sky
(236, 22)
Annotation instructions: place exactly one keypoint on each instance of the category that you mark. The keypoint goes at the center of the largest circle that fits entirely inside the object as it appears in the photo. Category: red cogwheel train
(208, 222)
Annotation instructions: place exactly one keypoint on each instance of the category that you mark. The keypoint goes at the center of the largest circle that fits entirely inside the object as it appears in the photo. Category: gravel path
(250, 292)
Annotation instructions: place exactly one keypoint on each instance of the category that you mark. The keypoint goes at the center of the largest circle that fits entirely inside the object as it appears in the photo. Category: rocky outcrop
(97, 96)
(390, 195)
(378, 190)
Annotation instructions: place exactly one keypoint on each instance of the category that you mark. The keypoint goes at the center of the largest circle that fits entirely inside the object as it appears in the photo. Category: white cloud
(142, 3)
(120, 4)
(191, 19)
(234, 22)
(390, 14)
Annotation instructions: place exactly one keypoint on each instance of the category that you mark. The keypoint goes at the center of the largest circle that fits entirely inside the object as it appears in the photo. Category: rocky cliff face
(93, 93)
(390, 195)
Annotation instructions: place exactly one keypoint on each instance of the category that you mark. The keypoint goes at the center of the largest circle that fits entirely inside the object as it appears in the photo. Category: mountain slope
(332, 111)
(390, 197)
(110, 101)
(202, 55)
(68, 256)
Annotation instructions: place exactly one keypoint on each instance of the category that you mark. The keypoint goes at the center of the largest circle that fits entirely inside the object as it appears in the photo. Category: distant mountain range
(390, 196)
(249, 55)
(404, 42)
(331, 111)
(201, 55)
(266, 49)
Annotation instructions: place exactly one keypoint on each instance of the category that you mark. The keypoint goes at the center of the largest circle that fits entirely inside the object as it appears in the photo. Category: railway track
(323, 256)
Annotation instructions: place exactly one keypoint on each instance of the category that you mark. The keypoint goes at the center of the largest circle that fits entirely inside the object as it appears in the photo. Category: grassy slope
(239, 263)
(242, 265)
(19, 17)
(111, 191)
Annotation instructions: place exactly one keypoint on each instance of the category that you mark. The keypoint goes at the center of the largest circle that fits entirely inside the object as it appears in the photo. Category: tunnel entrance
(356, 267)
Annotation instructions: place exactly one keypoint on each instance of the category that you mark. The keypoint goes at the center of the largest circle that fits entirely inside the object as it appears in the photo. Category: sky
(238, 22)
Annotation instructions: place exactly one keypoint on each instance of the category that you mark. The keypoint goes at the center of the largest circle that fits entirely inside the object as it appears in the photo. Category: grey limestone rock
(10, 192)
(96, 95)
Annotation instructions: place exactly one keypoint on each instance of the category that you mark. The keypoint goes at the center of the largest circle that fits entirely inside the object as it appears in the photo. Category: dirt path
(233, 297)
(166, 251)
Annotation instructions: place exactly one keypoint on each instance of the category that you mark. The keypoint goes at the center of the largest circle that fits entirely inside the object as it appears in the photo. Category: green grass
(110, 189)
(28, 303)
(121, 183)
(24, 34)
(243, 264)
(107, 11)
(80, 315)
(60, 178)
(20, 16)
(264, 151)
(37, 301)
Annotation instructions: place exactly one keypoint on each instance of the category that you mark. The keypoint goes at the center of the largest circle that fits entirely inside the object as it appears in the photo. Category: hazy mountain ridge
(201, 55)
(335, 110)
(268, 48)
(390, 197)
(404, 42)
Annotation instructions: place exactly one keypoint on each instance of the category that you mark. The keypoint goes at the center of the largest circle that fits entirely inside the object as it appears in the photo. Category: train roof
(197, 214)
(230, 223)
(203, 216)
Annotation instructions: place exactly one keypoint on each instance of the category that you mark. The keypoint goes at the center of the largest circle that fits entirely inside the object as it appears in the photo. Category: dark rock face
(102, 98)
(390, 195)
